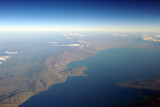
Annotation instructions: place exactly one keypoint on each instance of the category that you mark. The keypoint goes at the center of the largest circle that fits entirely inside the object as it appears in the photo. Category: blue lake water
(99, 89)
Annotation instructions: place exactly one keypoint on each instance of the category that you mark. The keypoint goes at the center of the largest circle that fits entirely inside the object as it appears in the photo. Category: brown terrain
(37, 68)
(28, 74)
(16, 89)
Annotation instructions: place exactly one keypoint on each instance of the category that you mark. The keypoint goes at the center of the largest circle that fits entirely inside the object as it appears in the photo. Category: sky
(83, 15)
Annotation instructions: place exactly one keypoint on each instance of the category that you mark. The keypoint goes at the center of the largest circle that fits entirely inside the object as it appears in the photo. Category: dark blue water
(99, 89)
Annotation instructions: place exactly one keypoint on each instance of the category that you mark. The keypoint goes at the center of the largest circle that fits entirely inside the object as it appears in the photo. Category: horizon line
(53, 29)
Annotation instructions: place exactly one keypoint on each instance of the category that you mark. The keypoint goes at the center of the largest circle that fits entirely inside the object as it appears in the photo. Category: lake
(99, 88)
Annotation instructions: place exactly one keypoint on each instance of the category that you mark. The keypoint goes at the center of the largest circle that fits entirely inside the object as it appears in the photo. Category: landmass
(149, 84)
(28, 73)
(149, 89)
(33, 68)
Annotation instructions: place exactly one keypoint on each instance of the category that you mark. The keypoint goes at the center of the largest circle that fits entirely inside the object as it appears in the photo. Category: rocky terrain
(35, 67)
(16, 89)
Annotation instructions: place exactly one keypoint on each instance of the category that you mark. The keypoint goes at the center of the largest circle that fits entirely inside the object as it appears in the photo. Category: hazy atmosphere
(79, 53)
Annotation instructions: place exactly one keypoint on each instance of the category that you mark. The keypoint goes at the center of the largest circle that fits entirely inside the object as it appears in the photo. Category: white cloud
(53, 42)
(71, 35)
(9, 52)
(3, 58)
(119, 35)
(72, 45)
(155, 38)
(124, 35)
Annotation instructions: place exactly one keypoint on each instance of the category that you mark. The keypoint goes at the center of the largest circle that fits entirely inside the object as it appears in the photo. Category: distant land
(149, 89)
(33, 68)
